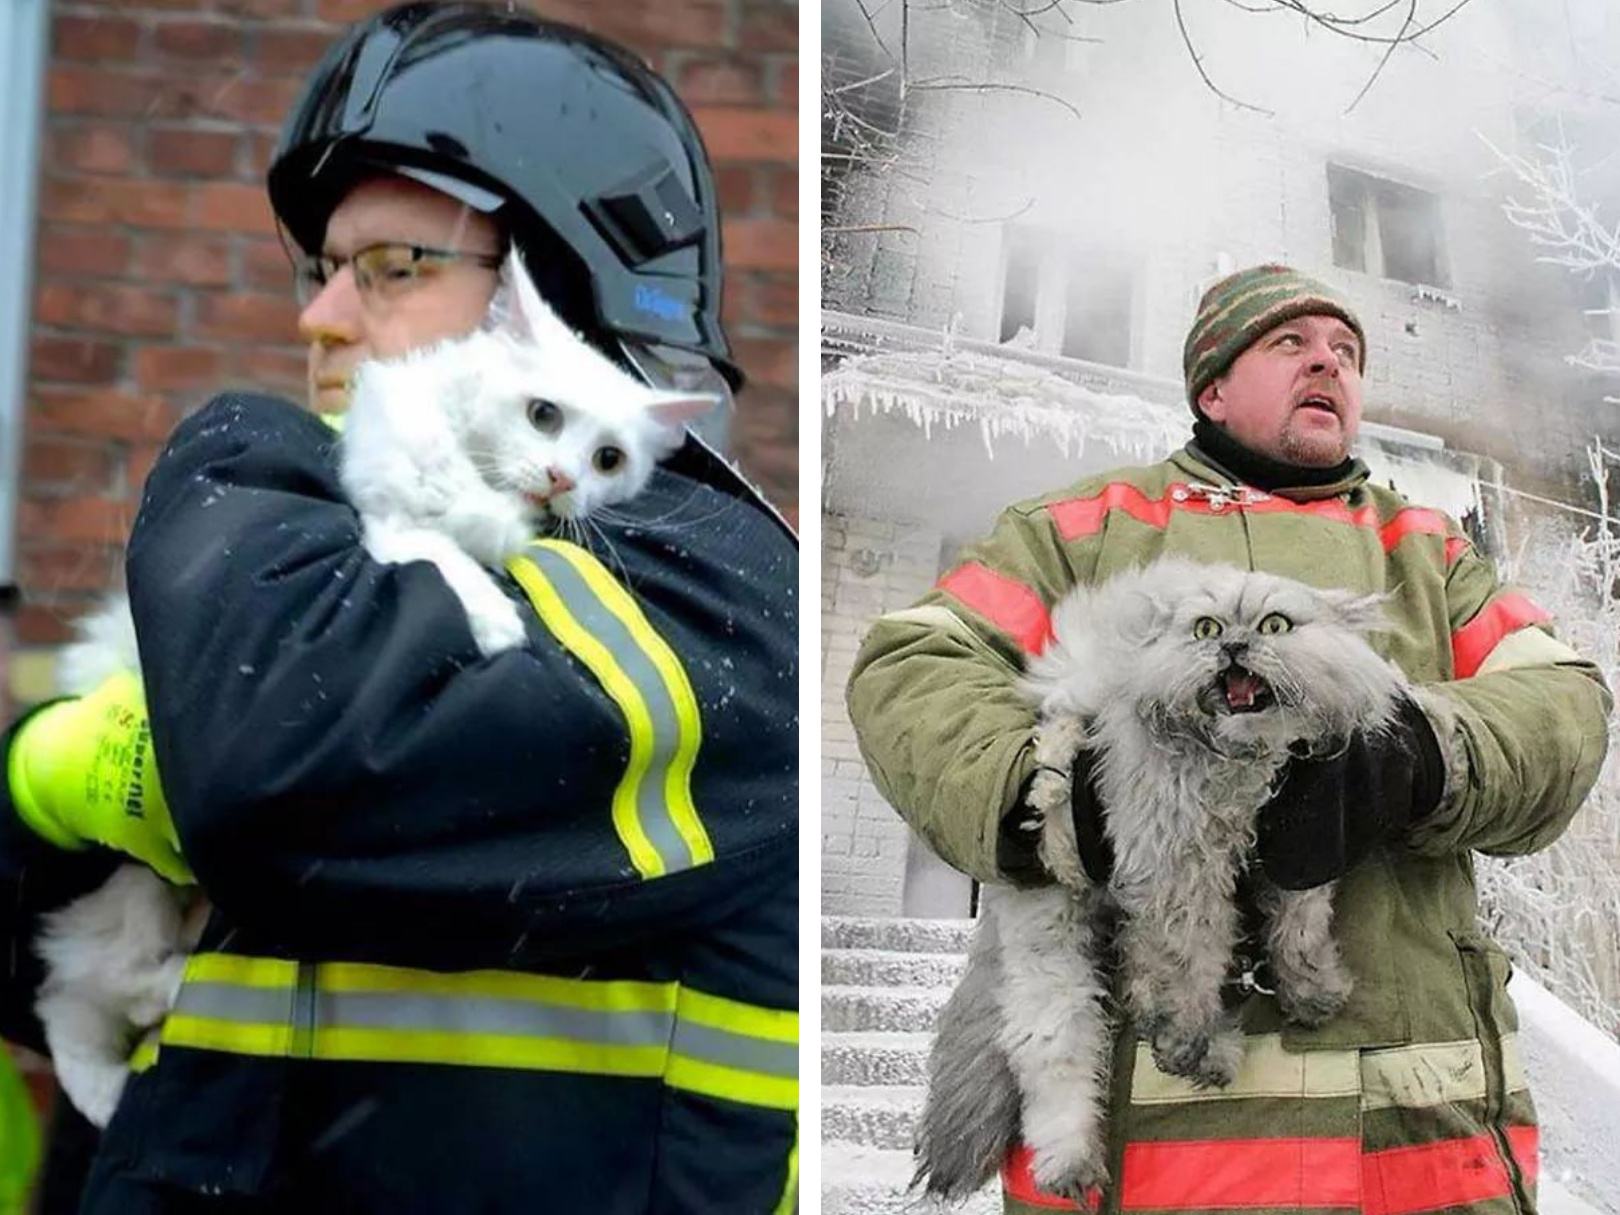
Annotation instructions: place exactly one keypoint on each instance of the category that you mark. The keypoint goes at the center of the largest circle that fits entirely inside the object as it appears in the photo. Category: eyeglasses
(382, 272)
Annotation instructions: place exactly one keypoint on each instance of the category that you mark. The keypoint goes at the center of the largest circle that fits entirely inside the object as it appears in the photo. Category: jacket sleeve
(349, 777)
(35, 878)
(1523, 723)
(933, 696)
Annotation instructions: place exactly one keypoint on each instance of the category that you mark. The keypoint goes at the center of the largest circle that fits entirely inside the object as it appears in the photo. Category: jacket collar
(1197, 463)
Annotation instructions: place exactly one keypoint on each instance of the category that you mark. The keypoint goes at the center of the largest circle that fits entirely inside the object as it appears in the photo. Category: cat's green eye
(545, 416)
(1275, 623)
(607, 459)
(1207, 628)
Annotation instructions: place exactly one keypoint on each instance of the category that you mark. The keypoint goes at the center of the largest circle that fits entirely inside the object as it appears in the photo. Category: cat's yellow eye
(545, 416)
(1275, 623)
(1207, 628)
(608, 459)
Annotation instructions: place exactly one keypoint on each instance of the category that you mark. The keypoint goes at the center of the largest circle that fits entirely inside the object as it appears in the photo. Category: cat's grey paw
(1221, 1061)
(1073, 1175)
(1207, 1057)
(1315, 1002)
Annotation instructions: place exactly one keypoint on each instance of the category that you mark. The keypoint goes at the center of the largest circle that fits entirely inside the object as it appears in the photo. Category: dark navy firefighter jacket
(503, 935)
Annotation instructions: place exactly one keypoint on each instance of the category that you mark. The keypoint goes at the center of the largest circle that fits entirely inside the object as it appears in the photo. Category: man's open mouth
(1318, 401)
(1239, 690)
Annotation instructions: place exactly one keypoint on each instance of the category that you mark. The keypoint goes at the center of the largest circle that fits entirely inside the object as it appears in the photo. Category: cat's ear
(527, 317)
(1360, 613)
(673, 410)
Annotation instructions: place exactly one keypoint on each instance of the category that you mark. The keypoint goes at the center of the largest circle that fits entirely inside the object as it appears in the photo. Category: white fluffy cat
(457, 455)
(1189, 683)
(460, 453)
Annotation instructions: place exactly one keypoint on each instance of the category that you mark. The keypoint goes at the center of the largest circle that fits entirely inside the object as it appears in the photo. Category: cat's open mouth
(1239, 690)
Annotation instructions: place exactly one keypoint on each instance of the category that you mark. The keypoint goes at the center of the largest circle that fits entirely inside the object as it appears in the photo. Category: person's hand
(81, 772)
(1326, 814)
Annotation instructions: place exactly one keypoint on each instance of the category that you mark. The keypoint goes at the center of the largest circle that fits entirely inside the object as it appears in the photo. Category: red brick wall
(160, 280)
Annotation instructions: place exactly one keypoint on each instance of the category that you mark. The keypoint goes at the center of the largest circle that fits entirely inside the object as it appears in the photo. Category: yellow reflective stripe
(717, 1012)
(1435, 1073)
(733, 1084)
(241, 971)
(621, 995)
(705, 1044)
(1514, 1078)
(555, 615)
(1267, 1070)
(678, 779)
(232, 1037)
(598, 620)
(145, 1053)
(487, 1050)
(1526, 648)
(790, 1191)
(745, 1035)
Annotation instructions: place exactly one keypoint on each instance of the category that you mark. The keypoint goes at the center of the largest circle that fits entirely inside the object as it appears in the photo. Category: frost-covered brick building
(1021, 209)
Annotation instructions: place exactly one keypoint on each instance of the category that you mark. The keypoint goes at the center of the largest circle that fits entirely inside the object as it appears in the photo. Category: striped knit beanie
(1244, 305)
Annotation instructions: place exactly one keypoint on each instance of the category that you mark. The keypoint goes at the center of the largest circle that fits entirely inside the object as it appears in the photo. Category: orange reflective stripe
(1084, 516)
(1413, 521)
(1019, 1182)
(1472, 644)
(1526, 1144)
(1199, 1174)
(1455, 546)
(1076, 517)
(1005, 602)
(1429, 1176)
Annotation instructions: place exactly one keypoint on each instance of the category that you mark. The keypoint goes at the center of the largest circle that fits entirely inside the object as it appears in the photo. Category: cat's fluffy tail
(970, 1120)
(105, 646)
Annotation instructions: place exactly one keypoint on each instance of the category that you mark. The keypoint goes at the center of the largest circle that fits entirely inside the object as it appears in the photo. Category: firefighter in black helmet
(494, 935)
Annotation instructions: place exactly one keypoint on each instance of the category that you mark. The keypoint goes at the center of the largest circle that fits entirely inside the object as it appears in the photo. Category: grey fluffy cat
(1189, 683)
(456, 455)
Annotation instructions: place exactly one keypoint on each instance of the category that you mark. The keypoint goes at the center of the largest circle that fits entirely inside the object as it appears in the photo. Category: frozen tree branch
(1198, 63)
(946, 82)
(1568, 232)
(1411, 14)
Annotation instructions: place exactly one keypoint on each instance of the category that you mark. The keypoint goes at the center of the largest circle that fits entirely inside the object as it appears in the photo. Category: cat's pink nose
(561, 482)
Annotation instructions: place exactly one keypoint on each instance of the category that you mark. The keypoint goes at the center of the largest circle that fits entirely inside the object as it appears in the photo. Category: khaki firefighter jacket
(1413, 1097)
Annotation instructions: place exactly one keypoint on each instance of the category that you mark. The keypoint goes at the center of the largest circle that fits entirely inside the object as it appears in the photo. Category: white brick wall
(868, 567)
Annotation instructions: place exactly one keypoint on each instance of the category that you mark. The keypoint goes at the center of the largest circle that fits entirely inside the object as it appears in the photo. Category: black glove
(1016, 842)
(1327, 814)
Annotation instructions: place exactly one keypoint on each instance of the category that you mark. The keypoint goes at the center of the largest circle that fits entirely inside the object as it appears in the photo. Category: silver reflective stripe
(652, 807)
(484, 1015)
(736, 1050)
(451, 1014)
(230, 1002)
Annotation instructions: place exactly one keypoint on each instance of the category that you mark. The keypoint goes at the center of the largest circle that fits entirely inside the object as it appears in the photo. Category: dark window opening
(1022, 284)
(1382, 227)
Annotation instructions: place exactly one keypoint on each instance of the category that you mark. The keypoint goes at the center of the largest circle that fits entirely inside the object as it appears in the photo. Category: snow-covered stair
(883, 984)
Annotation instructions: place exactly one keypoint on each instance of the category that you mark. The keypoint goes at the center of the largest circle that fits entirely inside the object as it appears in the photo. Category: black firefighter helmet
(601, 176)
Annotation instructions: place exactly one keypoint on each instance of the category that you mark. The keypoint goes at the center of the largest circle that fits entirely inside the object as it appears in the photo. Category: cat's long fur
(442, 461)
(1181, 780)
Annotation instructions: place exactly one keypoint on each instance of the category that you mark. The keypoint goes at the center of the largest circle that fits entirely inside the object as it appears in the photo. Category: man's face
(1294, 394)
(344, 326)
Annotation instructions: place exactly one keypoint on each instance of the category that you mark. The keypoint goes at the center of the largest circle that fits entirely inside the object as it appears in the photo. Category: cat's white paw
(94, 1086)
(496, 625)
